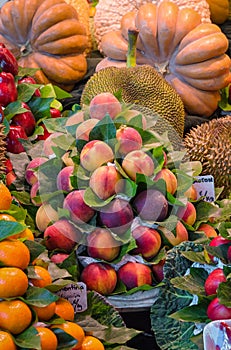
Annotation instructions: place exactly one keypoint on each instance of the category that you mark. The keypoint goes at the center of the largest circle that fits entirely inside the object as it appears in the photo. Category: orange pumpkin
(191, 55)
(46, 34)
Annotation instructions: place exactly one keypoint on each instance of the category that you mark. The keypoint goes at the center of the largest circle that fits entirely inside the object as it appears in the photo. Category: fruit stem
(131, 54)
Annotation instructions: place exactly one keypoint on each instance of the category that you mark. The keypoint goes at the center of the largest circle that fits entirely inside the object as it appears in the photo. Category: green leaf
(39, 296)
(193, 284)
(223, 293)
(26, 91)
(14, 108)
(40, 107)
(35, 249)
(50, 90)
(9, 228)
(28, 339)
(57, 125)
(104, 130)
(92, 200)
(193, 313)
(65, 340)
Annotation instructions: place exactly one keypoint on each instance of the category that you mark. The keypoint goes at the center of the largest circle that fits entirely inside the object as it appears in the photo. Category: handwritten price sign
(205, 187)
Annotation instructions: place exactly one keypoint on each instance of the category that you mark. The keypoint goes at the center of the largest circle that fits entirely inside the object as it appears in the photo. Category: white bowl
(217, 335)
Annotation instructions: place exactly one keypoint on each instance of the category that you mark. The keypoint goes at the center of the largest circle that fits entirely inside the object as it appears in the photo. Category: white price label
(205, 187)
(76, 293)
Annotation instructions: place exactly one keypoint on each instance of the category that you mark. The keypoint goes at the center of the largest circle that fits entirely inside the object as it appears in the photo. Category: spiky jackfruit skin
(210, 143)
(141, 85)
(2, 150)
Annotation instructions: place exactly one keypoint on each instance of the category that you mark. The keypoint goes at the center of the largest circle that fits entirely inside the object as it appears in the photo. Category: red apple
(1, 114)
(129, 139)
(55, 113)
(62, 235)
(14, 135)
(117, 215)
(79, 211)
(218, 241)
(169, 177)
(94, 154)
(187, 213)
(46, 133)
(218, 311)
(31, 173)
(176, 236)
(63, 180)
(213, 280)
(102, 245)
(138, 162)
(104, 103)
(148, 241)
(135, 274)
(151, 205)
(25, 119)
(30, 80)
(100, 277)
(106, 181)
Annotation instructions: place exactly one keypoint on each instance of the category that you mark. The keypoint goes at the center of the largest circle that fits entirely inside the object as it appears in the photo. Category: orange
(7, 217)
(14, 253)
(5, 197)
(6, 341)
(27, 233)
(44, 277)
(74, 330)
(13, 282)
(65, 309)
(45, 313)
(48, 339)
(15, 316)
(92, 343)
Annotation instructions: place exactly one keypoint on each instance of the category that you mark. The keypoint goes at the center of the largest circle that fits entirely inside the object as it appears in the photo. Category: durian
(210, 143)
(143, 86)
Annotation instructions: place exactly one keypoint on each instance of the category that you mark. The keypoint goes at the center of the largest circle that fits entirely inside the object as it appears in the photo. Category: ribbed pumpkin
(219, 10)
(189, 54)
(109, 13)
(46, 34)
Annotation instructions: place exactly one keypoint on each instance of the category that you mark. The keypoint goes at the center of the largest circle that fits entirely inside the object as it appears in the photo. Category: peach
(151, 205)
(67, 160)
(138, 162)
(100, 277)
(135, 274)
(31, 174)
(132, 113)
(129, 139)
(208, 230)
(75, 118)
(79, 211)
(102, 245)
(116, 215)
(176, 236)
(94, 154)
(106, 181)
(158, 270)
(104, 103)
(58, 258)
(191, 193)
(169, 177)
(187, 213)
(34, 192)
(148, 241)
(49, 143)
(45, 215)
(83, 130)
(61, 235)
(213, 280)
(63, 178)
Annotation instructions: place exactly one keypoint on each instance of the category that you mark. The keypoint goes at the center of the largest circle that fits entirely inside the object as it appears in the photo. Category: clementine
(48, 339)
(6, 341)
(13, 282)
(15, 316)
(74, 330)
(43, 277)
(91, 343)
(65, 309)
(14, 253)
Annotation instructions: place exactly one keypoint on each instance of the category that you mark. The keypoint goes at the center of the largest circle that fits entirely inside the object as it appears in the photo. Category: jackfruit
(143, 86)
(210, 143)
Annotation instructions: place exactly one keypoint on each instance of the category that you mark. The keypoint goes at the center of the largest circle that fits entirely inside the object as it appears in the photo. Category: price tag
(76, 293)
(205, 187)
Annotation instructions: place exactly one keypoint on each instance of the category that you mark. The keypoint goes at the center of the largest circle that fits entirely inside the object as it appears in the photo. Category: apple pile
(123, 202)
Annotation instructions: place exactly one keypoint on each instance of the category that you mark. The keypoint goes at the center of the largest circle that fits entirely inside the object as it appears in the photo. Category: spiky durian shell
(210, 143)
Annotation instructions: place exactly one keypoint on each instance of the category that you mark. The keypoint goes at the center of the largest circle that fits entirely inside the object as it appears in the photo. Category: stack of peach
(124, 202)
